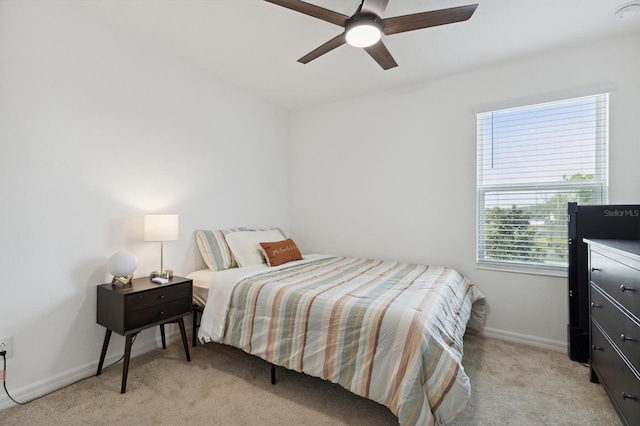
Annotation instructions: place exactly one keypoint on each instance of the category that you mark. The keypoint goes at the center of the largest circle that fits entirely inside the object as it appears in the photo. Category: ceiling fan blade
(417, 21)
(376, 7)
(327, 47)
(313, 10)
(381, 55)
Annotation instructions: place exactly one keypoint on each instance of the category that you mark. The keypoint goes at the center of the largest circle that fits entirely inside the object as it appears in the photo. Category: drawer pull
(623, 288)
(625, 396)
(625, 338)
(161, 297)
(161, 312)
(594, 269)
(595, 305)
(596, 348)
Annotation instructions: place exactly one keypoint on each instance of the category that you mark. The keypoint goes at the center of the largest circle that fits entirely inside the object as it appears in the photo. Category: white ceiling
(255, 45)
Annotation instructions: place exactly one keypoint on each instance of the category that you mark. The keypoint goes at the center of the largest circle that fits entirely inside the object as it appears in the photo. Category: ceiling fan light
(363, 33)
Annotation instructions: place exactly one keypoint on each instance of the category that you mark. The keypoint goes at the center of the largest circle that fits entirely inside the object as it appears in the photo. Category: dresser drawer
(157, 314)
(148, 298)
(616, 376)
(618, 280)
(623, 331)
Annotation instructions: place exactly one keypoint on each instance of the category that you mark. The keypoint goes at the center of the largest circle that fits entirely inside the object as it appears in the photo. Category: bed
(388, 331)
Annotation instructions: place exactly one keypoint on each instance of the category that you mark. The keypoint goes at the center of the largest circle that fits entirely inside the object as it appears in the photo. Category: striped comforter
(388, 331)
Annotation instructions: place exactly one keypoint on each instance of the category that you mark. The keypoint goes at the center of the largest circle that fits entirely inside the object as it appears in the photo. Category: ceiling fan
(365, 27)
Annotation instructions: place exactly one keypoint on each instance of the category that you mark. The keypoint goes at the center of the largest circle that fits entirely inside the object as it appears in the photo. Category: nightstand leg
(105, 345)
(164, 340)
(183, 332)
(125, 367)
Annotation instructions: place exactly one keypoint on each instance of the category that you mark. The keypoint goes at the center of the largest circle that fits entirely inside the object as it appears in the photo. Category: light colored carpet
(512, 385)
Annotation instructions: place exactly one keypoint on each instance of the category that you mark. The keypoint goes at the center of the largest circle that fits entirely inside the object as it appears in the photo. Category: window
(532, 161)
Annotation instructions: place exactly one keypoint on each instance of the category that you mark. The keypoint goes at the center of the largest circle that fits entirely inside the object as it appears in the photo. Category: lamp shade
(160, 227)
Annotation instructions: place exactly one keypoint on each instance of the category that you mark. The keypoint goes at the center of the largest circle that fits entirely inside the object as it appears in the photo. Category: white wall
(392, 175)
(96, 129)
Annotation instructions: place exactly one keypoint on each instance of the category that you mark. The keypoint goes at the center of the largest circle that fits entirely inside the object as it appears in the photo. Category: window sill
(551, 271)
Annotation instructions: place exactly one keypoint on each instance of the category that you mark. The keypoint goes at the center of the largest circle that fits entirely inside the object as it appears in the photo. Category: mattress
(202, 280)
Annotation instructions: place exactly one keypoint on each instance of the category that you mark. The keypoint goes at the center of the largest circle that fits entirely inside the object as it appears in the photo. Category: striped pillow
(214, 249)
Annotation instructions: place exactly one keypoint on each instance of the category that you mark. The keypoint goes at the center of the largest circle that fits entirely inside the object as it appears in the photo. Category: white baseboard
(43, 387)
(525, 339)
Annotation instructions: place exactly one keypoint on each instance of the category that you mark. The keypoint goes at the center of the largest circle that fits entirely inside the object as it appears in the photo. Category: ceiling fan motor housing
(363, 30)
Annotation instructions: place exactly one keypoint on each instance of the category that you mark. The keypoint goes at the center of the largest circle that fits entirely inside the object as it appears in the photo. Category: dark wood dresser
(614, 296)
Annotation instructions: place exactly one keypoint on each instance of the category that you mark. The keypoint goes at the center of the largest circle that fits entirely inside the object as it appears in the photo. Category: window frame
(598, 185)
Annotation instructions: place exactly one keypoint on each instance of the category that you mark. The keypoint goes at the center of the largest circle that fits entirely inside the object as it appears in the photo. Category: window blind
(532, 161)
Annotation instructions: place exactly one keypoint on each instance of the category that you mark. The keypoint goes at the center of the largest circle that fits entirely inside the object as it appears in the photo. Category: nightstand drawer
(616, 376)
(616, 279)
(157, 314)
(616, 324)
(159, 295)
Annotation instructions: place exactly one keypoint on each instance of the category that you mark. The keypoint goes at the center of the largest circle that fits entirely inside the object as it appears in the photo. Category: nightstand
(127, 310)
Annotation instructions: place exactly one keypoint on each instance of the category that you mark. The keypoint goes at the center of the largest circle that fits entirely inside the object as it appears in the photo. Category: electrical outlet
(6, 344)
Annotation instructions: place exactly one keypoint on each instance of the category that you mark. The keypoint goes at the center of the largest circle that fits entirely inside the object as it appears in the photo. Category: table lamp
(161, 227)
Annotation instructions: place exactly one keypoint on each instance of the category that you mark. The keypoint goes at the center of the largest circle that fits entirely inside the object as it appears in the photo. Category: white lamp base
(164, 273)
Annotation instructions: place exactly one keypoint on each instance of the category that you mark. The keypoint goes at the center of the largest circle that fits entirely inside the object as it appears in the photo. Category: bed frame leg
(197, 309)
(273, 374)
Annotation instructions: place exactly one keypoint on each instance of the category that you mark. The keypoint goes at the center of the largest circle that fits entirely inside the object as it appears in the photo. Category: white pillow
(245, 245)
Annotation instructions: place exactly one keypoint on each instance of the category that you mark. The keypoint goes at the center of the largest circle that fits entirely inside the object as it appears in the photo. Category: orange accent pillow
(279, 252)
